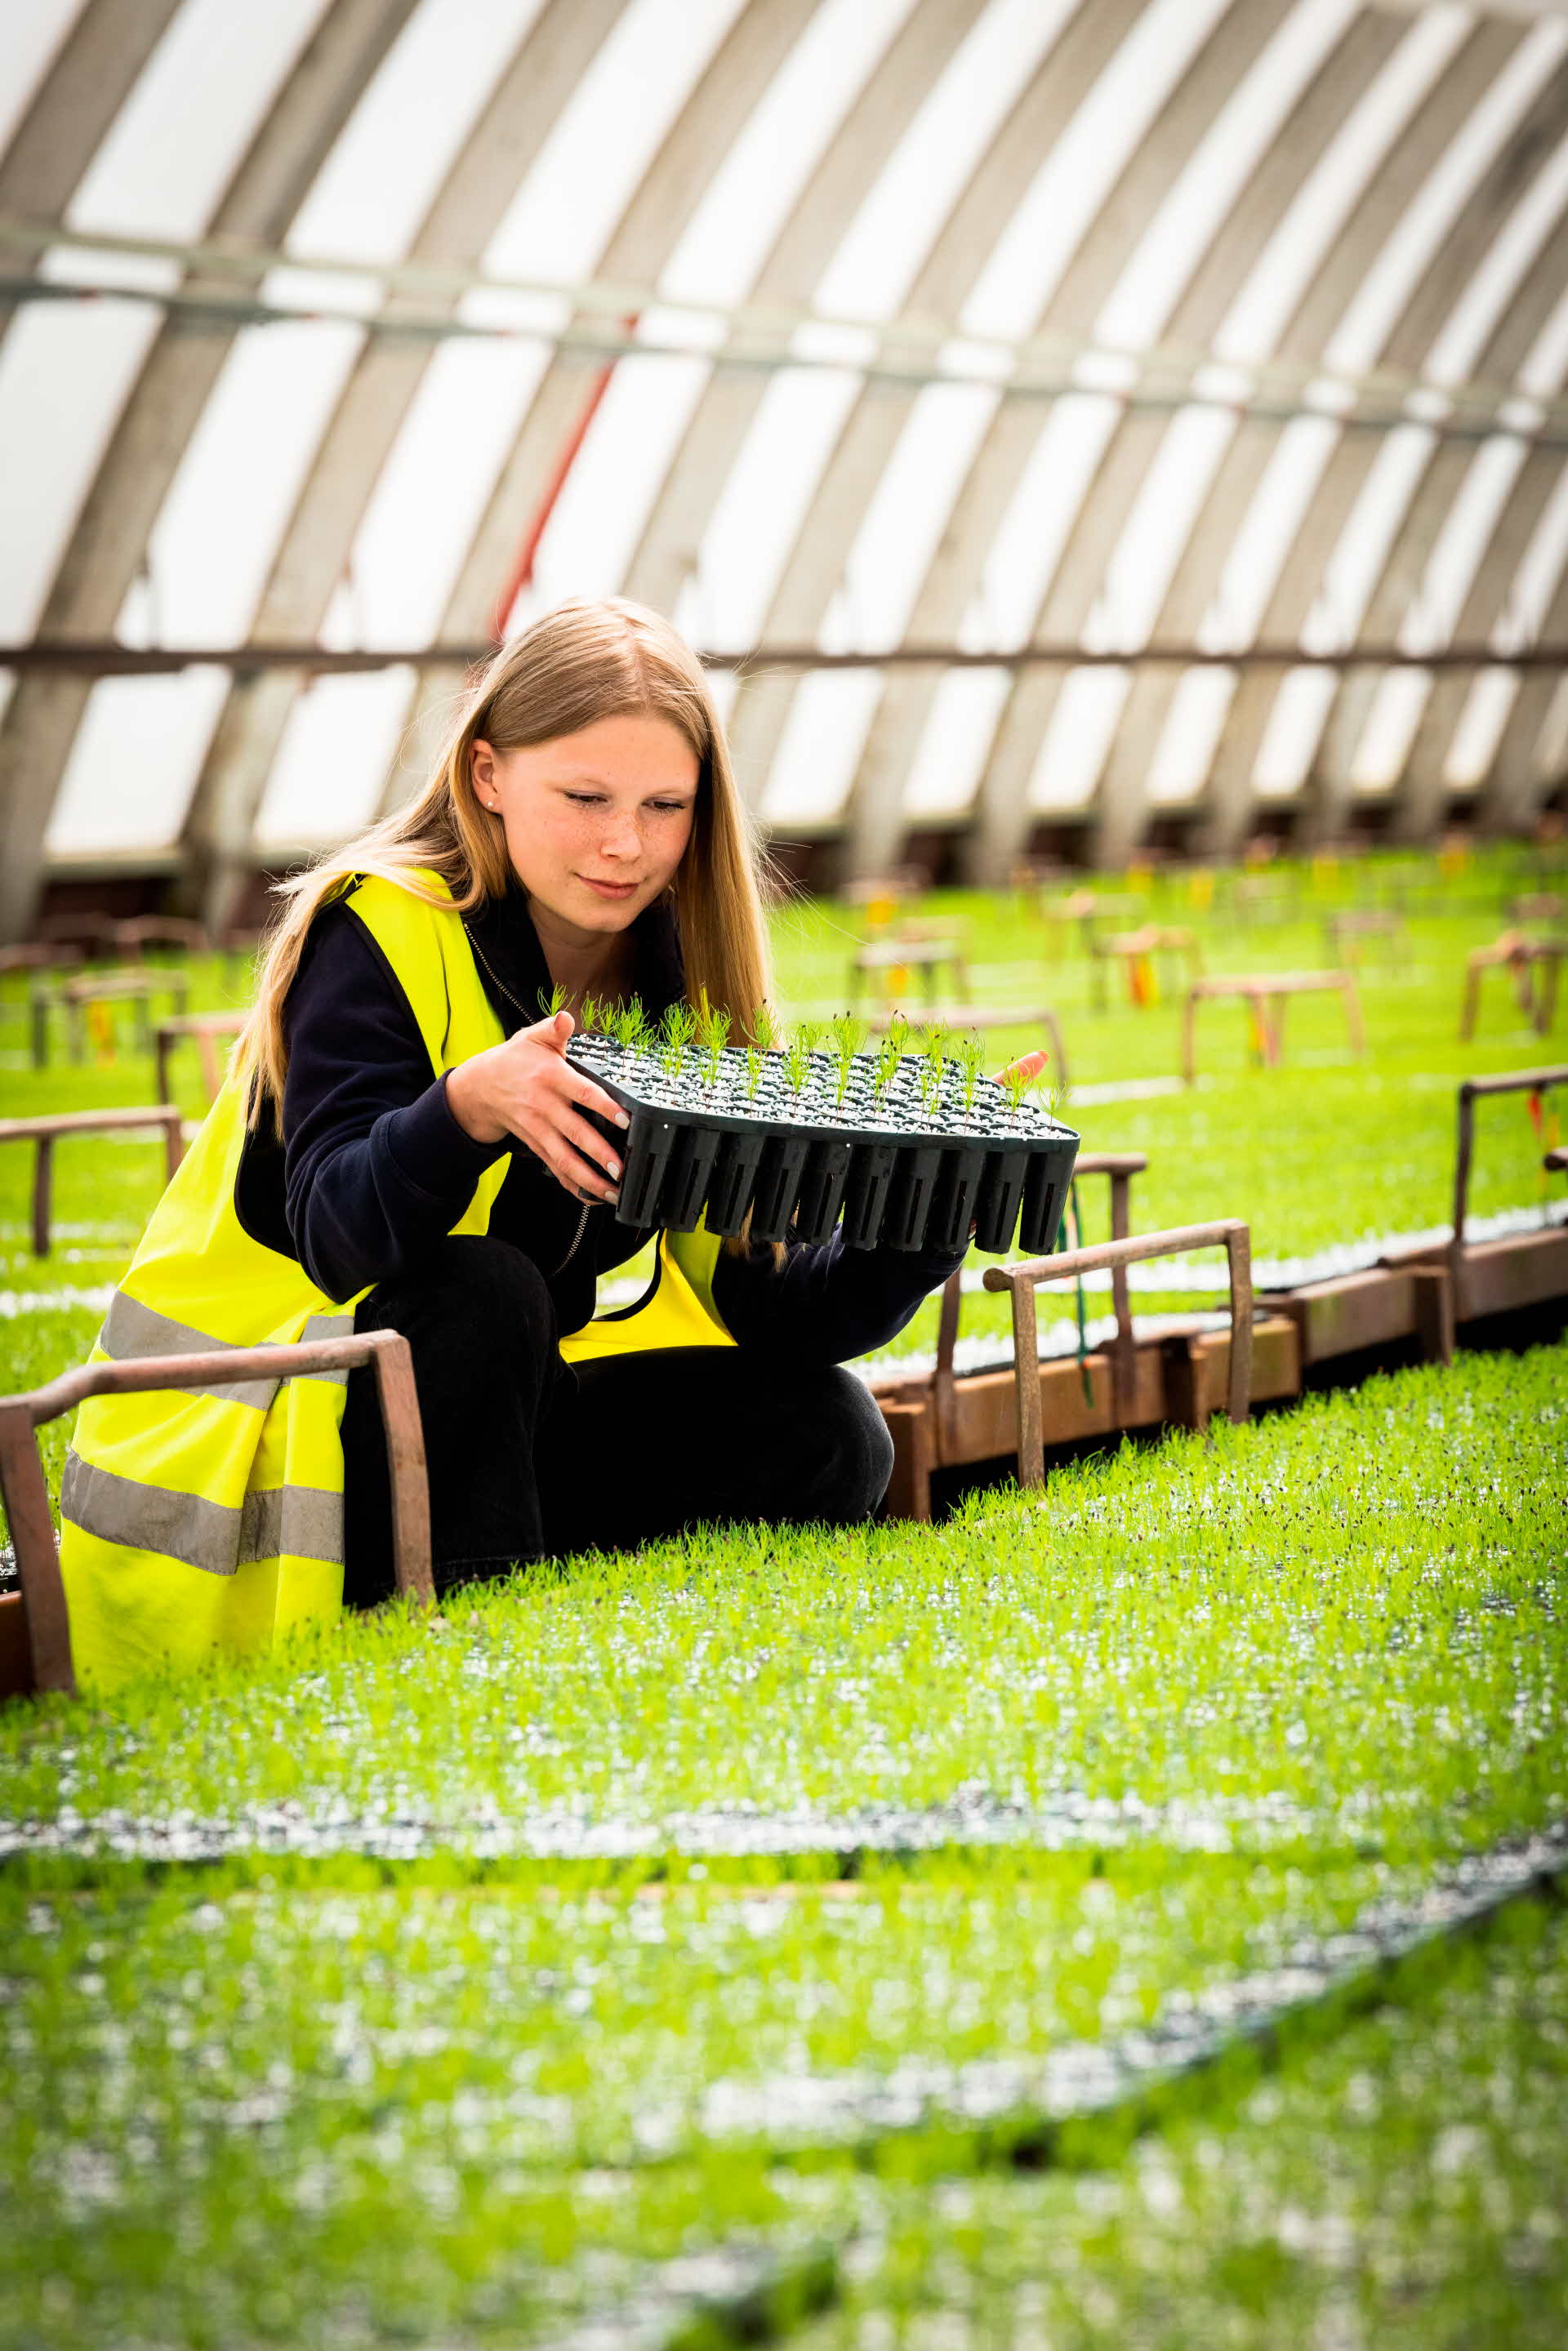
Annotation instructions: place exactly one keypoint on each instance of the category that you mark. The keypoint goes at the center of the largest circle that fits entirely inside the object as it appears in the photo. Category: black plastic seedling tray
(904, 1161)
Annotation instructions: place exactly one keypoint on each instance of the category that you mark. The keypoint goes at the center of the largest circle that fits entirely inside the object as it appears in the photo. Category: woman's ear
(482, 773)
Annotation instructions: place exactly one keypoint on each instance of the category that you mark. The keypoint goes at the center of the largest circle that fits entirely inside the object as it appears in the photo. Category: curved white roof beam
(897, 254)
(900, 460)
(996, 573)
(1362, 490)
(1372, 326)
(239, 475)
(221, 132)
(861, 145)
(665, 93)
(1465, 531)
(377, 411)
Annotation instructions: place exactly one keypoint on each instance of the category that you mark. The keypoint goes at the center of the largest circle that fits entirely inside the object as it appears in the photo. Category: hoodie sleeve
(376, 1168)
(825, 1304)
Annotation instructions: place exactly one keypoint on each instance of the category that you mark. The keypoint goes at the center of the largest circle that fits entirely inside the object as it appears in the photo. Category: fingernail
(613, 1167)
(622, 1118)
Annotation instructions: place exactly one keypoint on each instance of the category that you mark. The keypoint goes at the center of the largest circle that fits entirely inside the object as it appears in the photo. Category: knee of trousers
(849, 1449)
(475, 1299)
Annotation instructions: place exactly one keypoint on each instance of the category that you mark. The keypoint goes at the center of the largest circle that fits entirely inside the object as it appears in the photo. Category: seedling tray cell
(910, 1151)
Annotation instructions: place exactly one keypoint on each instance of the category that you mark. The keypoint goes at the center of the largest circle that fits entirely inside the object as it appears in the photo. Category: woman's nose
(621, 838)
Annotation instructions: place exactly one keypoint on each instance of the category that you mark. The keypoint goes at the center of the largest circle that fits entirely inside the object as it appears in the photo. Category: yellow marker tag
(100, 1028)
(898, 980)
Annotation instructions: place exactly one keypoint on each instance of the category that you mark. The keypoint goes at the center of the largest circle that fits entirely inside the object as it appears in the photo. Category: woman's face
(596, 822)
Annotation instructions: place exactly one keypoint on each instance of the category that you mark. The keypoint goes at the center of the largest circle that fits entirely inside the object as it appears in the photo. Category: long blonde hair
(583, 662)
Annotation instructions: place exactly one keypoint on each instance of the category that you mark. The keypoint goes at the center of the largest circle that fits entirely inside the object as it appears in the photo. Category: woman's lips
(610, 889)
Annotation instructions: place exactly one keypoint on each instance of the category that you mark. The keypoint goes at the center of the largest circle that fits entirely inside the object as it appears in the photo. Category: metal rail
(103, 657)
(1023, 1280)
(44, 1132)
(1471, 1090)
(26, 1498)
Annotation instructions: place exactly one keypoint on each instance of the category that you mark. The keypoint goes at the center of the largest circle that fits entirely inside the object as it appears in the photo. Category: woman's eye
(587, 799)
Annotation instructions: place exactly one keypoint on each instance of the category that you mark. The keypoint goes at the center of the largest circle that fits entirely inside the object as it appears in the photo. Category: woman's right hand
(527, 1088)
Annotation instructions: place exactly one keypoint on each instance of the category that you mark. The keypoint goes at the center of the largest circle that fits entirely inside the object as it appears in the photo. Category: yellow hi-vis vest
(195, 1522)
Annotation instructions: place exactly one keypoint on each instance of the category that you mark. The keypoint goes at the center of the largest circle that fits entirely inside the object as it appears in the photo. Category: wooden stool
(123, 986)
(1131, 949)
(1266, 992)
(1523, 957)
(909, 952)
(206, 1028)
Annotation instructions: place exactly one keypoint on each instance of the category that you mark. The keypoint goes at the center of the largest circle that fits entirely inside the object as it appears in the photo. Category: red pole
(522, 570)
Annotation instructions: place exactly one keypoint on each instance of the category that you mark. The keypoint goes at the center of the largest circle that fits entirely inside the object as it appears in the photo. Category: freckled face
(596, 822)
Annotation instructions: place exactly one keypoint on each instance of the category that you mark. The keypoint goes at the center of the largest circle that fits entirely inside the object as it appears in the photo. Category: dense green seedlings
(1342, 1625)
(848, 1036)
(1401, 2183)
(675, 1033)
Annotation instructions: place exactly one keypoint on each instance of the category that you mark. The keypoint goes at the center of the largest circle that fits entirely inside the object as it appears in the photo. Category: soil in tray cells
(901, 1097)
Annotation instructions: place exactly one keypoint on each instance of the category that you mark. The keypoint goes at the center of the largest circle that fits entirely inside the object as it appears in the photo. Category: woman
(403, 1145)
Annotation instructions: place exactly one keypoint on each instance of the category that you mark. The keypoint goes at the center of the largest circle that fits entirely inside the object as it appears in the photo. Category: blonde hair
(583, 662)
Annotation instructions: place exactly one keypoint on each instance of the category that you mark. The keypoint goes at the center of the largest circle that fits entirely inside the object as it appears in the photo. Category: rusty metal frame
(47, 1130)
(1021, 1280)
(1121, 1167)
(42, 1597)
(1511, 1082)
(1263, 991)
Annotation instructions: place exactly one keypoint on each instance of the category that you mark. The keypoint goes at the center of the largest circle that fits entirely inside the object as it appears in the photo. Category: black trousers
(529, 1459)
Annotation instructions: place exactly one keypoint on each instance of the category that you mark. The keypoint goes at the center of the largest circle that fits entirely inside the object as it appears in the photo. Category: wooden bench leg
(909, 1488)
(1435, 1311)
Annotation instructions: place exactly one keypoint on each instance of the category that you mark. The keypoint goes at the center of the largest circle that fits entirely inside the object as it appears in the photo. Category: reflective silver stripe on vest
(306, 1522)
(131, 1331)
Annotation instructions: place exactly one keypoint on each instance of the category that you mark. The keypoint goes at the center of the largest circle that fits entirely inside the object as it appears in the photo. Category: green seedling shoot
(678, 1028)
(848, 1034)
(969, 1052)
(553, 1002)
(797, 1057)
(713, 1035)
(933, 1066)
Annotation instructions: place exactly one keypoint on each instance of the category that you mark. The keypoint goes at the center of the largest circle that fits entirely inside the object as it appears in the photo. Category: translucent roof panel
(1474, 747)
(753, 518)
(1225, 159)
(871, 273)
(1536, 582)
(1077, 742)
(648, 405)
(1536, 219)
(1331, 191)
(820, 747)
(1433, 612)
(339, 748)
(1029, 258)
(1356, 563)
(607, 134)
(238, 483)
(1296, 720)
(135, 760)
(738, 218)
(1266, 532)
(204, 92)
(1027, 549)
(64, 374)
(1169, 500)
(894, 547)
(30, 39)
(1357, 341)
(1190, 736)
(956, 742)
(1383, 750)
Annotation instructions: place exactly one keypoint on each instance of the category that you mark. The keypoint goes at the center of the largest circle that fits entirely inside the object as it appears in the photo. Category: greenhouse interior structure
(783, 895)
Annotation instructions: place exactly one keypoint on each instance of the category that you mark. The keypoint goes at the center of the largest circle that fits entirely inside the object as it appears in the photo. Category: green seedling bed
(908, 1151)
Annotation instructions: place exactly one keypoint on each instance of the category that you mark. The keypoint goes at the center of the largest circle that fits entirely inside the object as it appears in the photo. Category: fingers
(587, 1096)
(1029, 1065)
(602, 1169)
